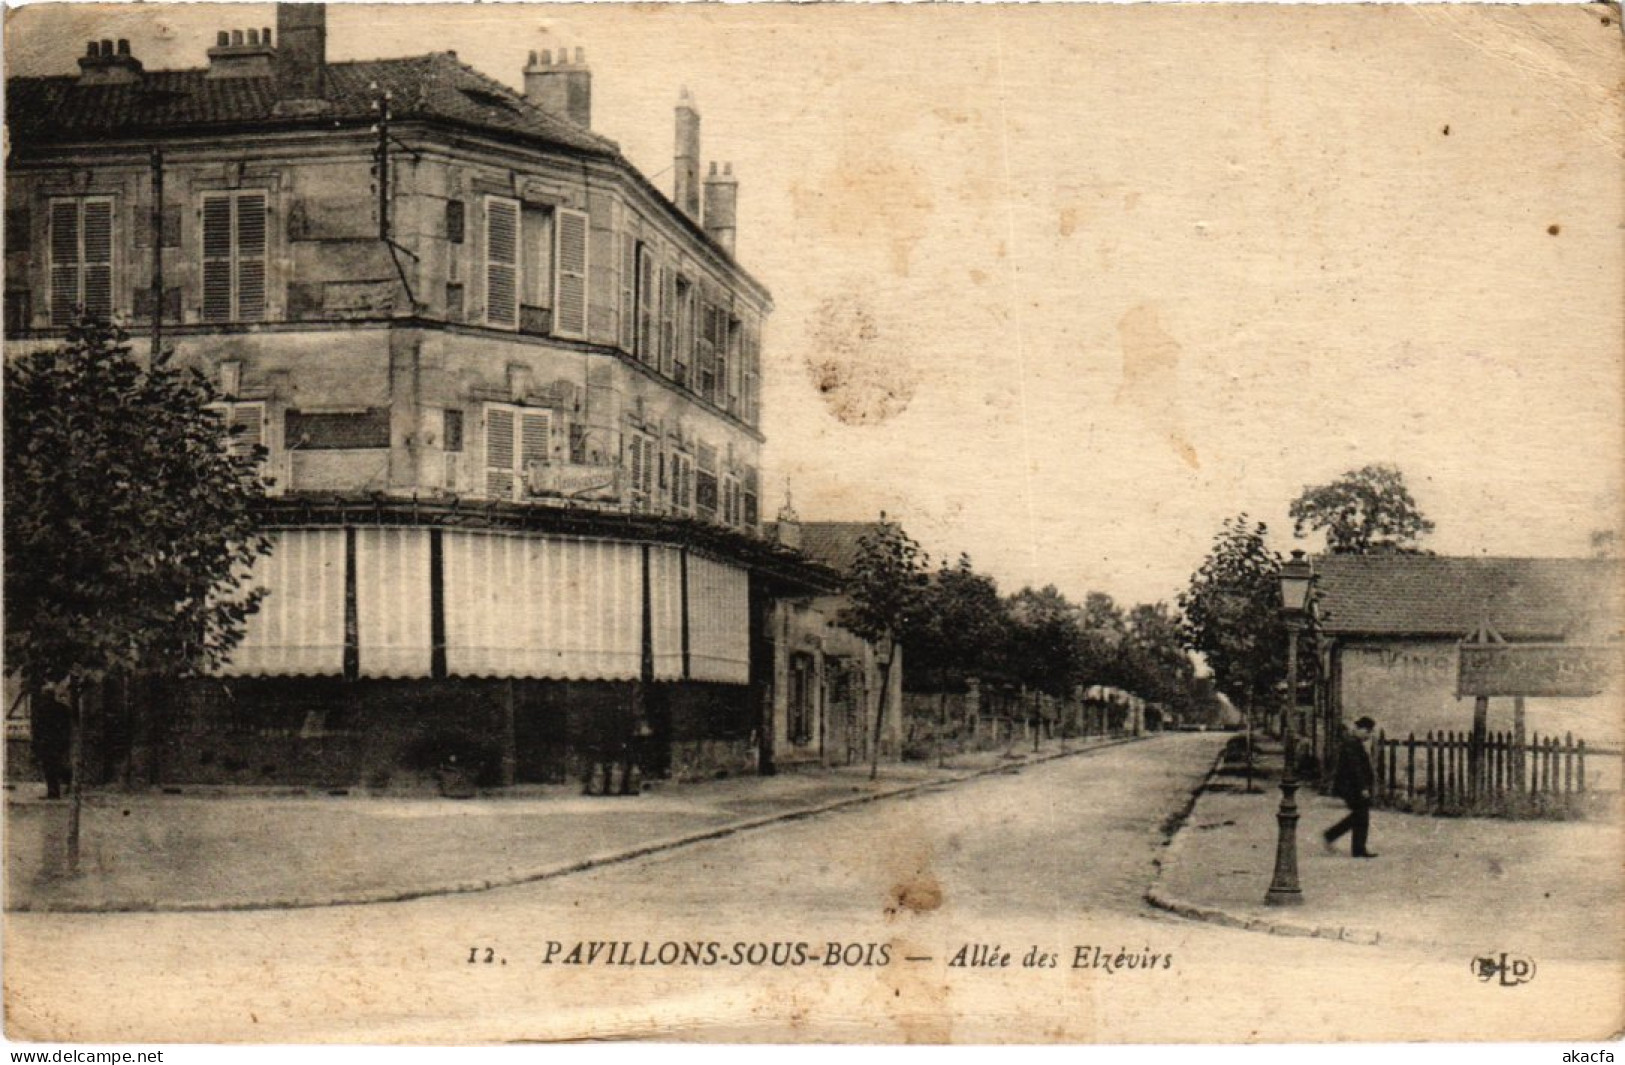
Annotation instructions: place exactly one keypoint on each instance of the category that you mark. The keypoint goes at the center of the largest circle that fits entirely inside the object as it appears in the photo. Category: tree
(1364, 512)
(961, 623)
(886, 588)
(1231, 613)
(129, 521)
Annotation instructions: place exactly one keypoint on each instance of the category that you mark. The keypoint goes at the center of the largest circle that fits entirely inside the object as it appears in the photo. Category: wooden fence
(1456, 771)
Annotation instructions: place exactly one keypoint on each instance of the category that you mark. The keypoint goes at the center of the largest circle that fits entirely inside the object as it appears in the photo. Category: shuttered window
(81, 259)
(570, 288)
(244, 424)
(234, 253)
(502, 262)
(682, 483)
(642, 462)
(515, 438)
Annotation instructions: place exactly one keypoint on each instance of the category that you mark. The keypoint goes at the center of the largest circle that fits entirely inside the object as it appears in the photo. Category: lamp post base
(1284, 889)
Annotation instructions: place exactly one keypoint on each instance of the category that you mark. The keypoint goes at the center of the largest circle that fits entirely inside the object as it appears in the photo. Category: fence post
(1463, 766)
(1432, 787)
(1410, 766)
(1568, 762)
(1580, 756)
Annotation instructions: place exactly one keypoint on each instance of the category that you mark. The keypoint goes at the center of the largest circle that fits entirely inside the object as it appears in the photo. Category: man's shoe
(1367, 854)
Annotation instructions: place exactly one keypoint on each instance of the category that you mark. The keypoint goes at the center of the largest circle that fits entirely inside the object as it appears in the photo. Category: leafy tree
(1232, 616)
(129, 523)
(961, 624)
(1365, 511)
(887, 592)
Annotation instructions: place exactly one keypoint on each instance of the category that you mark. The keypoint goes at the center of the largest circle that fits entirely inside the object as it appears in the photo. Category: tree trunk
(942, 718)
(76, 770)
(880, 715)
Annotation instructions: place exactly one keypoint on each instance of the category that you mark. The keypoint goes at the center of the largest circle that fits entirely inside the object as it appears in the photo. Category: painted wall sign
(1549, 669)
(578, 481)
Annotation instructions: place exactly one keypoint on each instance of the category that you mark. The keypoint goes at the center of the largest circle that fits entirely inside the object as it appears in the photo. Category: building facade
(1390, 629)
(507, 389)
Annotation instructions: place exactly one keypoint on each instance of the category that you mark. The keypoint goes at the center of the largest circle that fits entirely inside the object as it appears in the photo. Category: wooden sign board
(1535, 669)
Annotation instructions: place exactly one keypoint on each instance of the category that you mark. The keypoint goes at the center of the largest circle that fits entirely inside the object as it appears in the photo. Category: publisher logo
(1509, 970)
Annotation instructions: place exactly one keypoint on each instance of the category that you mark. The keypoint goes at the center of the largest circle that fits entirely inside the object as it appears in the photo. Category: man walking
(1353, 784)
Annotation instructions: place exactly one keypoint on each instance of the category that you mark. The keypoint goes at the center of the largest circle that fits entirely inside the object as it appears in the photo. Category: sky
(1064, 286)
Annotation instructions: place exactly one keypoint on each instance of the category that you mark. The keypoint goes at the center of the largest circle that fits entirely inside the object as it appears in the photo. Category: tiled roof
(1520, 598)
(435, 87)
(834, 543)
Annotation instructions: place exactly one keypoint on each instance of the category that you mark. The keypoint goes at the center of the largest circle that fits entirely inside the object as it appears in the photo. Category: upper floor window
(642, 459)
(234, 253)
(535, 268)
(81, 258)
(245, 427)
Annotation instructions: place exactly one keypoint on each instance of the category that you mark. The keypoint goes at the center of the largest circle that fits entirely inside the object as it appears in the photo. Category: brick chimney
(722, 205)
(242, 54)
(687, 190)
(562, 89)
(105, 64)
(301, 56)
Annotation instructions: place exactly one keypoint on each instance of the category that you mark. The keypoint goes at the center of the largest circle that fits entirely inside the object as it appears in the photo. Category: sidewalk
(1547, 889)
(226, 850)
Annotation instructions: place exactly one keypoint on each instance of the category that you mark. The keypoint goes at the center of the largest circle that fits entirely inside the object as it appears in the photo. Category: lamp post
(1296, 577)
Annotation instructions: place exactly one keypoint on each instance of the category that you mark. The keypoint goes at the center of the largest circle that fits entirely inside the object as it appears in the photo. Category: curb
(1155, 897)
(580, 865)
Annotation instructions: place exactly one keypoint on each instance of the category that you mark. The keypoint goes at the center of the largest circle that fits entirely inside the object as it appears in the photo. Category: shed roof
(1520, 598)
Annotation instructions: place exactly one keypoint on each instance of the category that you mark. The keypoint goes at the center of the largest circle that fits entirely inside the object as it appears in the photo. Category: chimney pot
(222, 39)
(236, 37)
(123, 46)
(107, 47)
(561, 90)
(532, 57)
(265, 36)
(728, 169)
(91, 50)
(253, 36)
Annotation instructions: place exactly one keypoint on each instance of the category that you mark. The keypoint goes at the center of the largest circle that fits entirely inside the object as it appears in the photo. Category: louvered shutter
(217, 258)
(64, 261)
(570, 309)
(668, 310)
(502, 263)
(535, 432)
(246, 422)
(97, 227)
(250, 251)
(499, 452)
(629, 265)
(647, 323)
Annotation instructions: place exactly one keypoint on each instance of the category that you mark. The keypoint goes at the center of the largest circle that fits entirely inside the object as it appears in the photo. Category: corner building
(509, 393)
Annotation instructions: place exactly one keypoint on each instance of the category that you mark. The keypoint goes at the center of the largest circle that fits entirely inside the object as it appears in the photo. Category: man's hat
(1365, 722)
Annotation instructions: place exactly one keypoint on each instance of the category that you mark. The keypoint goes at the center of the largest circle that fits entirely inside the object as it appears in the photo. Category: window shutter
(64, 261)
(535, 434)
(217, 258)
(246, 422)
(502, 263)
(250, 257)
(98, 258)
(454, 221)
(499, 452)
(668, 310)
(648, 324)
(570, 310)
(629, 265)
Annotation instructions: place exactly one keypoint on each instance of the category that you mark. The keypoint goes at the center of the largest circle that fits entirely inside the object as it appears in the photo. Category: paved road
(1053, 858)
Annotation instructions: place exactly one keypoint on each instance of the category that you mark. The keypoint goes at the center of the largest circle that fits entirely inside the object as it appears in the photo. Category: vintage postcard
(813, 523)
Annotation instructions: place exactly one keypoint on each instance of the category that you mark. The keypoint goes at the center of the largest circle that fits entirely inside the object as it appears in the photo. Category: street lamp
(1297, 577)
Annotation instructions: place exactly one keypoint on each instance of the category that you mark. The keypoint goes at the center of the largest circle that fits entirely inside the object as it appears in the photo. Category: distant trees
(1363, 512)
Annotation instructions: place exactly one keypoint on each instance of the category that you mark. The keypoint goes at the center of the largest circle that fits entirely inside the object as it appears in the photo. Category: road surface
(839, 927)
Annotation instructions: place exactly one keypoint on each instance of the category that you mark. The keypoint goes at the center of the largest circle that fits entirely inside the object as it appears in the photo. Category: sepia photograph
(813, 523)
